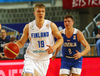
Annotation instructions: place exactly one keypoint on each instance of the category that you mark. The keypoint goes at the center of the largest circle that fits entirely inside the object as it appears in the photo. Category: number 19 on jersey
(41, 44)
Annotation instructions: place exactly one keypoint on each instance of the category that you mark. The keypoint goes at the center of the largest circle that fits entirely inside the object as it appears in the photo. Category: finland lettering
(39, 35)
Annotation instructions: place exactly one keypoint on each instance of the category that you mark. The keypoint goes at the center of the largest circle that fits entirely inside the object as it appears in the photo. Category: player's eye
(64, 21)
(43, 11)
(68, 21)
(38, 11)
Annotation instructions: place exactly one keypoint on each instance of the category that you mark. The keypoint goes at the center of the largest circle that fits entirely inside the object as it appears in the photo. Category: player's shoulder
(78, 31)
(63, 31)
(32, 23)
(46, 20)
(27, 26)
(79, 34)
(75, 31)
(53, 25)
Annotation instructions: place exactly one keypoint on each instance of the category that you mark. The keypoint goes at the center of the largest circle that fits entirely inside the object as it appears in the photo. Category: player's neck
(69, 32)
(39, 23)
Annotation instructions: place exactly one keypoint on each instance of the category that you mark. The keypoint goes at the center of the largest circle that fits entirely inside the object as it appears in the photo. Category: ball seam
(11, 50)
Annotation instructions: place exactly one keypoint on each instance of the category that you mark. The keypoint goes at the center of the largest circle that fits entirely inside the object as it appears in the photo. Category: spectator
(3, 41)
(96, 33)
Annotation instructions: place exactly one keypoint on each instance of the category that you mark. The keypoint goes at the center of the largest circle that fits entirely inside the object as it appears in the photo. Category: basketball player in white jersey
(71, 60)
(41, 34)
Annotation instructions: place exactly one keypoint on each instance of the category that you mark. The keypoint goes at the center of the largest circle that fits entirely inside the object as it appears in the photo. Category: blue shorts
(70, 64)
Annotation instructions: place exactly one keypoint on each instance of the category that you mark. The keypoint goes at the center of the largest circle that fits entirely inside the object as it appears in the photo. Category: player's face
(39, 13)
(68, 23)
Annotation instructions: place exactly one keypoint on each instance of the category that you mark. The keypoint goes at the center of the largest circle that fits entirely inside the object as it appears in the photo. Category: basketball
(11, 50)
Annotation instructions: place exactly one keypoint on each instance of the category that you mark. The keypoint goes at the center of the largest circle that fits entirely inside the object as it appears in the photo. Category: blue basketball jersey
(69, 47)
(71, 44)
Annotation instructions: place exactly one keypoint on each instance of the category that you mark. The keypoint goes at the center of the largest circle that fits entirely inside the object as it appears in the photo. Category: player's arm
(55, 54)
(83, 41)
(56, 34)
(56, 51)
(1, 55)
(24, 37)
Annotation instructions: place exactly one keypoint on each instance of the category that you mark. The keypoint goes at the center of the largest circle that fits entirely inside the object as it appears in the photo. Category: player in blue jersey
(71, 49)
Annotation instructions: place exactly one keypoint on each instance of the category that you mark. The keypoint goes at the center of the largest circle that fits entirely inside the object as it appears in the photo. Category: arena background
(15, 14)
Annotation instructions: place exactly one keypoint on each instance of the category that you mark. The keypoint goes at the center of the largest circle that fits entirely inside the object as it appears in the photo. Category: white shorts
(36, 67)
(73, 70)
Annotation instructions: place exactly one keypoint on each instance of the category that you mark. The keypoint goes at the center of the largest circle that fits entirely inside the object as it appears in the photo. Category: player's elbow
(88, 48)
(62, 40)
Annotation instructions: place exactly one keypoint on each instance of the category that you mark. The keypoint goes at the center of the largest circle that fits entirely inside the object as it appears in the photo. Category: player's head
(39, 11)
(68, 21)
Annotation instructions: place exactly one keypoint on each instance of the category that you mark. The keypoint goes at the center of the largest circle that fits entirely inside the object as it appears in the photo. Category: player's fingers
(46, 49)
(76, 58)
(5, 56)
(75, 55)
(48, 45)
(76, 51)
(52, 58)
(5, 45)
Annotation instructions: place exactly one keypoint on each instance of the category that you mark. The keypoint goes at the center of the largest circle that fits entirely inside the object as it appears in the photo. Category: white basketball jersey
(39, 38)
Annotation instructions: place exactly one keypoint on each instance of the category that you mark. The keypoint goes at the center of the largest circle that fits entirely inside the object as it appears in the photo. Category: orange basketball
(11, 50)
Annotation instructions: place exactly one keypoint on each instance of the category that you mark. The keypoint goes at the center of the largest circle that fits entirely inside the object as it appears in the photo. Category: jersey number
(41, 44)
(70, 52)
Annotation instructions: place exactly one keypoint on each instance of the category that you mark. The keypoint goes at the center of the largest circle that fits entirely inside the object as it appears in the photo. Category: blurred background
(15, 14)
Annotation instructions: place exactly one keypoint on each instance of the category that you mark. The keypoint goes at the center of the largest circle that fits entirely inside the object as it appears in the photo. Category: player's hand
(1, 56)
(50, 49)
(5, 45)
(53, 57)
(77, 55)
(4, 56)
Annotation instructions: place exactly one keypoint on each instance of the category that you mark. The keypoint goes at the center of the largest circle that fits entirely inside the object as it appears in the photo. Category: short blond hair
(39, 5)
